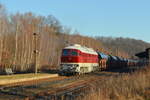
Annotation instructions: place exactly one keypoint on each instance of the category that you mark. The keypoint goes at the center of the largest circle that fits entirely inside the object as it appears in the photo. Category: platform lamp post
(35, 51)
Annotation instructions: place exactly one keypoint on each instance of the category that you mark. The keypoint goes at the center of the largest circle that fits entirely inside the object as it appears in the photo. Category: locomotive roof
(82, 49)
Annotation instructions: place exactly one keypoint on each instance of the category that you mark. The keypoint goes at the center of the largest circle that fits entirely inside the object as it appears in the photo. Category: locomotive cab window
(74, 53)
(65, 52)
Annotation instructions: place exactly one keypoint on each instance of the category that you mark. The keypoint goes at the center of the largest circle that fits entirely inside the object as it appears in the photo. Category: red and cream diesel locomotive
(78, 59)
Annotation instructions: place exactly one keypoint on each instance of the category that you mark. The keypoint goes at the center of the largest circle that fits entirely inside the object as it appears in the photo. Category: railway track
(53, 89)
(29, 90)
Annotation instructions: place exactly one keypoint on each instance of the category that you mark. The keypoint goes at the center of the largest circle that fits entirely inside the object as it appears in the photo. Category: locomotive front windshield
(67, 52)
(74, 53)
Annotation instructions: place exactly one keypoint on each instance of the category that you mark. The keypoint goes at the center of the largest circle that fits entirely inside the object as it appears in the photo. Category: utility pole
(35, 51)
(117, 51)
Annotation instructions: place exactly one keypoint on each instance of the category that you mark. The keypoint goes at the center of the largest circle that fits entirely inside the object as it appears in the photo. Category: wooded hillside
(126, 45)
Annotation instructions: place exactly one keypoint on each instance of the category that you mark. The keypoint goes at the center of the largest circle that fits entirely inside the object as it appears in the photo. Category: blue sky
(125, 18)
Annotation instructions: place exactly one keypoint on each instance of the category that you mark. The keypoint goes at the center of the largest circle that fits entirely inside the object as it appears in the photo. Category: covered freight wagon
(103, 58)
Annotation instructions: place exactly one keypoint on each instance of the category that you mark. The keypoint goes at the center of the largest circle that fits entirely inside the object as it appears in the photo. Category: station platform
(16, 78)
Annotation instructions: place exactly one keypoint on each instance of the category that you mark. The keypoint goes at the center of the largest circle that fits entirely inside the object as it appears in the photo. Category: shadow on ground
(51, 71)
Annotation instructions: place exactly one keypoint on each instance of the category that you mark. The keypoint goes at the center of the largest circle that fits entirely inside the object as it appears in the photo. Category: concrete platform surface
(9, 79)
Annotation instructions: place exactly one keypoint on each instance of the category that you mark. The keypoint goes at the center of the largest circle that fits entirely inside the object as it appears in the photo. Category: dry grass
(132, 86)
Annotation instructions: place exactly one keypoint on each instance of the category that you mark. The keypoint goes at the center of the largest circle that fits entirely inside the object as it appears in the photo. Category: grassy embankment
(131, 86)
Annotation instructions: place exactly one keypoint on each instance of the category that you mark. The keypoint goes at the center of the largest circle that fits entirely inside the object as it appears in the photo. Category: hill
(128, 45)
